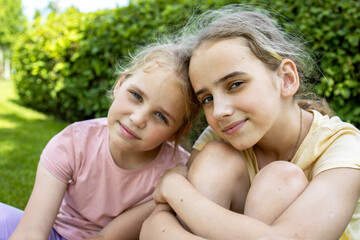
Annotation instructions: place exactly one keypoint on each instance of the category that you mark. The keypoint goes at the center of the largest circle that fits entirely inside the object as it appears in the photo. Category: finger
(156, 199)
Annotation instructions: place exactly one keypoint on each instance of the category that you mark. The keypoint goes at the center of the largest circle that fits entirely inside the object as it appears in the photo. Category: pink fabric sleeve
(58, 157)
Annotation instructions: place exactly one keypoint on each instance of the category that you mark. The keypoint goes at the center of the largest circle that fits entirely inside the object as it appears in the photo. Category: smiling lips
(234, 127)
(126, 132)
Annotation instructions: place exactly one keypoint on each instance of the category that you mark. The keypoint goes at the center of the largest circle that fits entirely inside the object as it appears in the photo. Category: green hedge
(43, 60)
(332, 30)
(65, 63)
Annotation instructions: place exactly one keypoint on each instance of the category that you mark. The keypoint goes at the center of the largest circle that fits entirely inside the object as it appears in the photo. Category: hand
(167, 180)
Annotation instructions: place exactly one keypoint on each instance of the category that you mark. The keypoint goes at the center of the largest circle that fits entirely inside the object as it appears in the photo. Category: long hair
(265, 38)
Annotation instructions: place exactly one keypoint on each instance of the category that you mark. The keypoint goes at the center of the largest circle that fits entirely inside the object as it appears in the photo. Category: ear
(289, 78)
(118, 84)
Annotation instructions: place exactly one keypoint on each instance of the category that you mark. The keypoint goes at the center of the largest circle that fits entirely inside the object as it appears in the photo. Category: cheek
(115, 109)
(210, 118)
(252, 101)
(157, 135)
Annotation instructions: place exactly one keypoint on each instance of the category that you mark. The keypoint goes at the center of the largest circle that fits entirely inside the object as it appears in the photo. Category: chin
(239, 144)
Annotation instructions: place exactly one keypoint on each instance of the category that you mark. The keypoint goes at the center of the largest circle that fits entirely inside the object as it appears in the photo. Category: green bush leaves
(65, 64)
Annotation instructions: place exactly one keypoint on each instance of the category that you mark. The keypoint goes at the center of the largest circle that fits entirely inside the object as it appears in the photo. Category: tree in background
(12, 25)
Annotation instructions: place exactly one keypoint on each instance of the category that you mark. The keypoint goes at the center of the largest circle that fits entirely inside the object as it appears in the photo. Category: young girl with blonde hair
(274, 163)
(95, 179)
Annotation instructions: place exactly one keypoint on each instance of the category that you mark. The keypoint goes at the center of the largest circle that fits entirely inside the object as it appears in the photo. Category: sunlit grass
(23, 135)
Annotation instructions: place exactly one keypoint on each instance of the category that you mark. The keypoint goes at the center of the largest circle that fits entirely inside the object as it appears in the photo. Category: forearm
(30, 230)
(23, 235)
(42, 207)
(32, 225)
(163, 225)
(127, 225)
(207, 219)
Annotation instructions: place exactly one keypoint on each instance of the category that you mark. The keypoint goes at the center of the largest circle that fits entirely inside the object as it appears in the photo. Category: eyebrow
(139, 91)
(143, 94)
(222, 79)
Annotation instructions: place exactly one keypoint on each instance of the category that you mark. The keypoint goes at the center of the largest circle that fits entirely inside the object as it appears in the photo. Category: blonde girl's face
(148, 109)
(239, 94)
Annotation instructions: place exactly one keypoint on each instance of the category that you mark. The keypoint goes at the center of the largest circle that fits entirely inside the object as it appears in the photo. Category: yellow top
(329, 144)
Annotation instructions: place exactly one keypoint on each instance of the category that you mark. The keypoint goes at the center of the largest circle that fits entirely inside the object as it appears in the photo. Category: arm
(128, 224)
(332, 195)
(194, 152)
(42, 207)
(163, 225)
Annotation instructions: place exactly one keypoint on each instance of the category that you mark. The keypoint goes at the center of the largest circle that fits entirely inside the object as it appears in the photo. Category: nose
(222, 108)
(139, 118)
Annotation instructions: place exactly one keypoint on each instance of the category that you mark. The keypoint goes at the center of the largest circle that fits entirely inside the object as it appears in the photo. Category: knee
(150, 224)
(284, 174)
(217, 160)
(155, 225)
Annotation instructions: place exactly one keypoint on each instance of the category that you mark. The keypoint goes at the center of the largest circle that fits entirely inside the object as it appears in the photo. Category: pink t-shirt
(98, 190)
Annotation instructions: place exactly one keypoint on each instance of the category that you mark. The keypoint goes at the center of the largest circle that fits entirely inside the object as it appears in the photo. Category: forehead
(161, 87)
(234, 48)
(214, 59)
(155, 75)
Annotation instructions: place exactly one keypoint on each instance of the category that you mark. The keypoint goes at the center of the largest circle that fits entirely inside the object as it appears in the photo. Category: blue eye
(235, 85)
(161, 117)
(207, 100)
(137, 96)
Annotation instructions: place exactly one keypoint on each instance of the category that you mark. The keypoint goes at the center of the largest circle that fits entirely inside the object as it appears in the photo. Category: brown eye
(235, 85)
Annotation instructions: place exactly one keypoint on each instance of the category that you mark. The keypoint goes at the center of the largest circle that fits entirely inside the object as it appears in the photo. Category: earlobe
(290, 78)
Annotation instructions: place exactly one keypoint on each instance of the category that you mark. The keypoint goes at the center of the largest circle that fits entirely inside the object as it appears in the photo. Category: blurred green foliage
(12, 22)
(332, 31)
(65, 63)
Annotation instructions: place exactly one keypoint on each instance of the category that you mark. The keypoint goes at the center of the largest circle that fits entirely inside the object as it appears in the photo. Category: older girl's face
(241, 97)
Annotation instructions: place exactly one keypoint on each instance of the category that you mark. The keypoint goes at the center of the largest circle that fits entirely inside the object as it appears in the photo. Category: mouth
(126, 132)
(233, 127)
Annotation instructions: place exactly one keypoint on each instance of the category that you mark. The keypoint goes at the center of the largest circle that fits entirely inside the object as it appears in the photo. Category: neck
(133, 160)
(276, 145)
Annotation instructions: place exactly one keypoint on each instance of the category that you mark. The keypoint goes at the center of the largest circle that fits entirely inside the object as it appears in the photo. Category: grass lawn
(23, 135)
